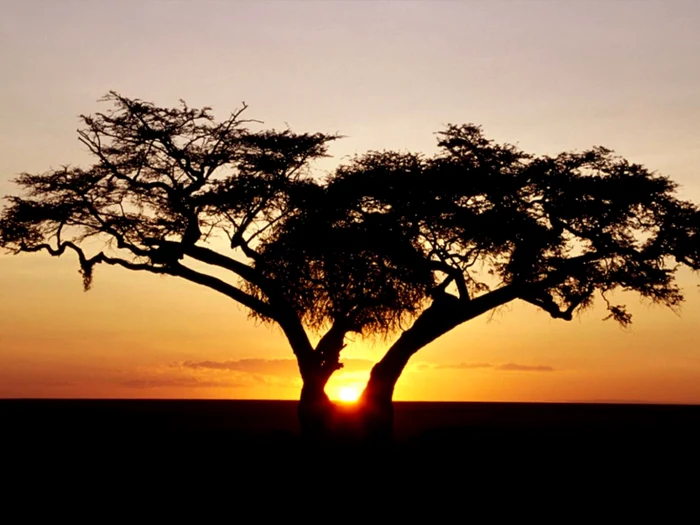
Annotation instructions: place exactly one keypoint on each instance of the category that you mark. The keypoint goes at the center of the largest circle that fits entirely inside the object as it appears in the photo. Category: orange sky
(549, 76)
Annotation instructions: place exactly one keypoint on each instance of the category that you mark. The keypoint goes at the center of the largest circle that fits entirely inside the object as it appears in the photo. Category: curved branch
(231, 291)
(176, 270)
(331, 344)
(96, 149)
(453, 274)
(547, 304)
(208, 256)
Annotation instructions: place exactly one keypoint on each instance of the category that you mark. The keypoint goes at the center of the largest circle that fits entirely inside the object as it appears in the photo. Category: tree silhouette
(389, 243)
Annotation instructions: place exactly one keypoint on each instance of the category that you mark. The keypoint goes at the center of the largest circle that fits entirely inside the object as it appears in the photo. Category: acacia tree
(484, 224)
(174, 192)
(391, 243)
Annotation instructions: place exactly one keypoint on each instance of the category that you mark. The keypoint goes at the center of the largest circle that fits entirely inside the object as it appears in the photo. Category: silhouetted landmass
(450, 451)
(416, 423)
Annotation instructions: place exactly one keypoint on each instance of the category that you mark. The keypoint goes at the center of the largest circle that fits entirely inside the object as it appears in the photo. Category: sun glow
(348, 394)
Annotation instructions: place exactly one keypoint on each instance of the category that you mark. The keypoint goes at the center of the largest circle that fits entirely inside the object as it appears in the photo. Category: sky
(548, 76)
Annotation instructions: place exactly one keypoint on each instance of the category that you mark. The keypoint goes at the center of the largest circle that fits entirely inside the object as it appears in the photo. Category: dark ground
(461, 446)
(245, 417)
(417, 424)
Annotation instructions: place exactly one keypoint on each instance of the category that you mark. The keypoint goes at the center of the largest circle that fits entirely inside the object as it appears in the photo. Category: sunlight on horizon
(348, 394)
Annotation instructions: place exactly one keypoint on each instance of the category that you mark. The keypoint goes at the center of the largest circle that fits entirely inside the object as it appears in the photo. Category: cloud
(271, 367)
(189, 382)
(615, 401)
(56, 383)
(513, 367)
(465, 366)
(507, 367)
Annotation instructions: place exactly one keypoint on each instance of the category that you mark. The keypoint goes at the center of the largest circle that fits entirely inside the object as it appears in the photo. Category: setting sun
(348, 394)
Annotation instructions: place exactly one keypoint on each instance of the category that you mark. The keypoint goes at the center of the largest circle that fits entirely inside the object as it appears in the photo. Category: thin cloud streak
(275, 367)
(506, 367)
(188, 382)
(464, 366)
(513, 367)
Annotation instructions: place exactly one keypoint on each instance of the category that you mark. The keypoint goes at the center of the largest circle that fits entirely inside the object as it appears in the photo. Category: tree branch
(95, 149)
(331, 344)
(177, 270)
(234, 293)
(546, 302)
(454, 274)
(208, 256)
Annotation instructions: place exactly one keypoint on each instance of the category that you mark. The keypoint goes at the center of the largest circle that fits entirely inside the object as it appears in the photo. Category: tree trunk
(444, 314)
(377, 399)
(376, 408)
(315, 412)
(376, 402)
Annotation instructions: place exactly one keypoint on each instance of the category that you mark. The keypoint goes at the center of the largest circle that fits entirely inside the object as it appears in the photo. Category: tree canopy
(479, 217)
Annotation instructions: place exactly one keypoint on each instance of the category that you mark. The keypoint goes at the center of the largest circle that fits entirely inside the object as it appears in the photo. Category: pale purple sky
(549, 75)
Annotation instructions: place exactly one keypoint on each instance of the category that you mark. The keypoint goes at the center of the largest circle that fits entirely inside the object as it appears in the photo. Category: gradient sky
(549, 76)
